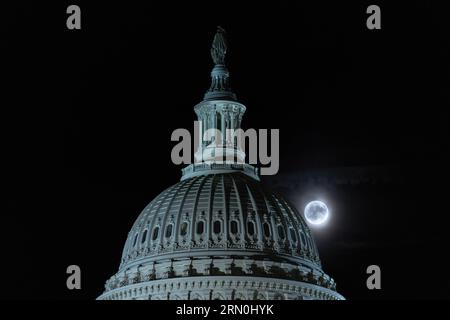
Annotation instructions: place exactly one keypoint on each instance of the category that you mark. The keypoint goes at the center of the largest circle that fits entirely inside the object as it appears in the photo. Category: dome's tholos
(218, 233)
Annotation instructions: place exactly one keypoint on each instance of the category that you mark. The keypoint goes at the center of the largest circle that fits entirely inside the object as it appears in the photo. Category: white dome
(220, 225)
(218, 234)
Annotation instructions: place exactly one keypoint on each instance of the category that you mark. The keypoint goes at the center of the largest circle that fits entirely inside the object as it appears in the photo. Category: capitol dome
(218, 233)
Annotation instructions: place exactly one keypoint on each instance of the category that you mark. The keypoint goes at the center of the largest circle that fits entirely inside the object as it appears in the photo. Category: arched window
(234, 227)
(155, 233)
(281, 232)
(144, 236)
(310, 243)
(266, 228)
(183, 229)
(169, 230)
(135, 239)
(217, 226)
(200, 227)
(302, 238)
(251, 228)
(293, 235)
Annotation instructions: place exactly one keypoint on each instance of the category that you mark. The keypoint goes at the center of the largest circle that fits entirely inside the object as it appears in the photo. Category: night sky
(87, 117)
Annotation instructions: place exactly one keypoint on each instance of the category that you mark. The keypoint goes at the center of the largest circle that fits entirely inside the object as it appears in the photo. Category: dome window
(302, 237)
(281, 232)
(183, 229)
(251, 228)
(234, 227)
(135, 239)
(293, 235)
(144, 236)
(266, 228)
(310, 244)
(200, 227)
(217, 226)
(155, 233)
(169, 230)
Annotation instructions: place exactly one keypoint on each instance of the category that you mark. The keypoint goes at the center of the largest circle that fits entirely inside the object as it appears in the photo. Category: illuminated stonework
(218, 233)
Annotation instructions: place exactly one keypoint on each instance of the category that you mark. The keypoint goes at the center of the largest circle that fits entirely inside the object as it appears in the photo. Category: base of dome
(221, 288)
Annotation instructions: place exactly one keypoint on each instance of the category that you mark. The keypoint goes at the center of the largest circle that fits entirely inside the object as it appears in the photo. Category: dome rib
(194, 208)
(180, 209)
(243, 212)
(226, 201)
(255, 207)
(163, 222)
(210, 205)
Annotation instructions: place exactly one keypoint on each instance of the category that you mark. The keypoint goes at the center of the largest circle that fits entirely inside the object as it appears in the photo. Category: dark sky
(88, 116)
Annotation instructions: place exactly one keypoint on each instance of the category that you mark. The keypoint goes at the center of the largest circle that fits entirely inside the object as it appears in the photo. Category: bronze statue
(219, 47)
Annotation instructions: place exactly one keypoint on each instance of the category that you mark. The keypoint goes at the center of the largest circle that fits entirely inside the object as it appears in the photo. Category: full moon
(316, 212)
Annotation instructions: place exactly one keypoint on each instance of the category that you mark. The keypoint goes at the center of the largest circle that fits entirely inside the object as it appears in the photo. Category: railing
(200, 167)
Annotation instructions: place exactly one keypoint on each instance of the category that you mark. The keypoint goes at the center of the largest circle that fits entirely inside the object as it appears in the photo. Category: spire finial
(219, 46)
(220, 86)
